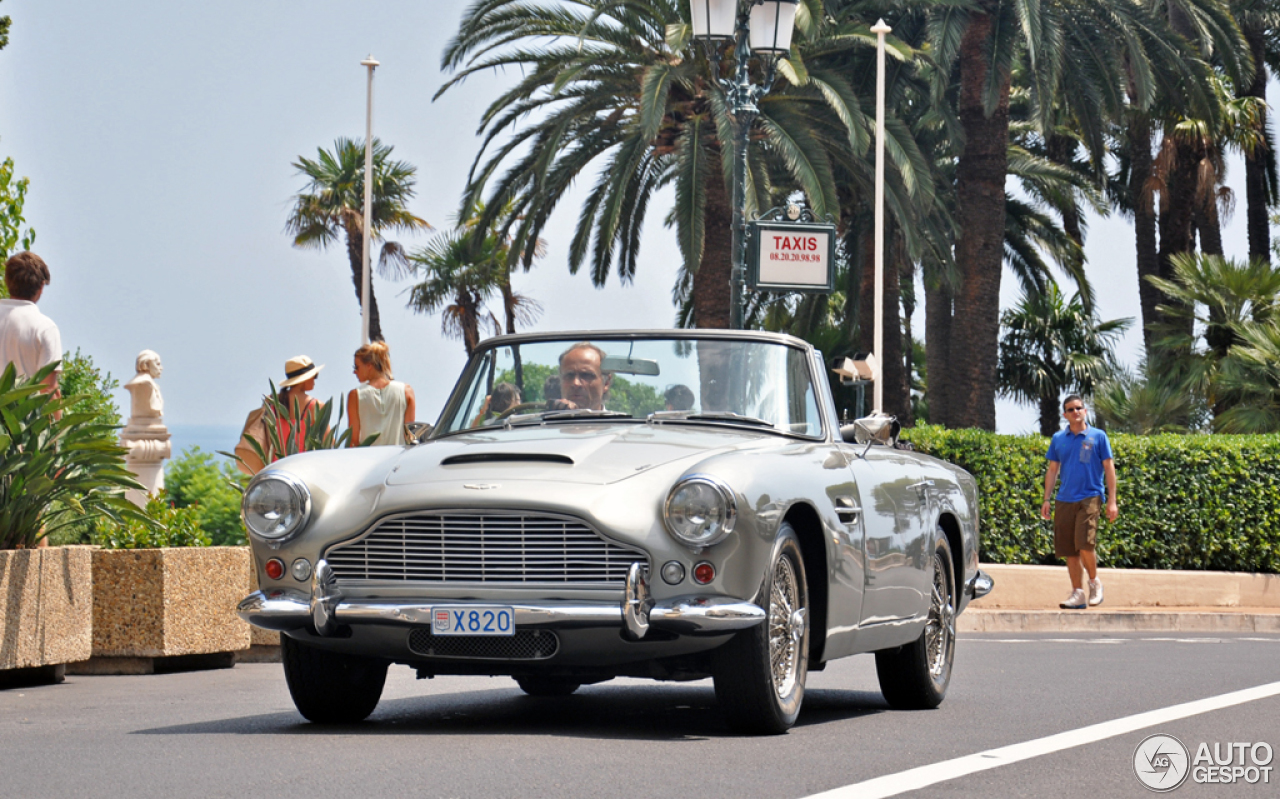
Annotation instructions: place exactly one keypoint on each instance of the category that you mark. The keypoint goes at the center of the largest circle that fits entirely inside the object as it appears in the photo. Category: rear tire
(330, 687)
(760, 673)
(536, 685)
(916, 676)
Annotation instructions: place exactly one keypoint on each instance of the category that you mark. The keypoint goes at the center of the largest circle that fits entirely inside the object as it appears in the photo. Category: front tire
(760, 674)
(330, 687)
(916, 676)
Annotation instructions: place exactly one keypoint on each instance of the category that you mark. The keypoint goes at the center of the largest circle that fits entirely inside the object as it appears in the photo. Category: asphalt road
(234, 732)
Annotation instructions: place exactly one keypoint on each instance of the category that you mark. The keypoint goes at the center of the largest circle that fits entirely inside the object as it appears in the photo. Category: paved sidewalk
(1025, 599)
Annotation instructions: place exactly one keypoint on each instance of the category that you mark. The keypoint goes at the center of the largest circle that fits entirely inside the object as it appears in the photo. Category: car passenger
(505, 396)
(679, 398)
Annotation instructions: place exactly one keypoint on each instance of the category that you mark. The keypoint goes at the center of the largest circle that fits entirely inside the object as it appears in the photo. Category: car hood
(592, 454)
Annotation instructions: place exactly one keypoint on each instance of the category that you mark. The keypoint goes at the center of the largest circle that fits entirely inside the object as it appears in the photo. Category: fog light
(301, 570)
(673, 572)
(704, 573)
(274, 568)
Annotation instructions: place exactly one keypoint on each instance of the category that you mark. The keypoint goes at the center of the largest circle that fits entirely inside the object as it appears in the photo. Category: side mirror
(416, 432)
(878, 428)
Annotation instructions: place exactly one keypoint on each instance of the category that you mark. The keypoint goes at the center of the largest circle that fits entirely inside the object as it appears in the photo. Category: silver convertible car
(672, 505)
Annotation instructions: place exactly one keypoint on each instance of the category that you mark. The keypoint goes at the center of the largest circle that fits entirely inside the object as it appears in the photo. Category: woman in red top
(300, 377)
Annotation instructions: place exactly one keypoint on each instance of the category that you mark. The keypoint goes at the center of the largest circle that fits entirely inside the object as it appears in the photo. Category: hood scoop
(506, 457)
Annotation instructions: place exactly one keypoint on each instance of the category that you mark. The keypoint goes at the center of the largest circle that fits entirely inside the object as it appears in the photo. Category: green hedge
(1208, 502)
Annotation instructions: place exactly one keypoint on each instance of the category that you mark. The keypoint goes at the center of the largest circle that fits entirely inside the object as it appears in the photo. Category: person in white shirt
(381, 406)
(28, 339)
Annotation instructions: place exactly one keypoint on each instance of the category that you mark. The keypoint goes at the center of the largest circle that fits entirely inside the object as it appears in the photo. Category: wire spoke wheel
(940, 631)
(760, 673)
(915, 676)
(785, 628)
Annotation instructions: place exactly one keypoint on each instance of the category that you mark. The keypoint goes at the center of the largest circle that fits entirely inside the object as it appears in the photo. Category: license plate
(472, 620)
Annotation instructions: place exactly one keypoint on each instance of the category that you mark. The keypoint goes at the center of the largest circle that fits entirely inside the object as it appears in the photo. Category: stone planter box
(47, 614)
(167, 609)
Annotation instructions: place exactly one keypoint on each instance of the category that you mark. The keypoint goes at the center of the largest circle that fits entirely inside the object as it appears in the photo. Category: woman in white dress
(381, 405)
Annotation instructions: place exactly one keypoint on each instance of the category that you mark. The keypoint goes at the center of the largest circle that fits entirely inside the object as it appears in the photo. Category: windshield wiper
(571, 413)
(728, 416)
(581, 412)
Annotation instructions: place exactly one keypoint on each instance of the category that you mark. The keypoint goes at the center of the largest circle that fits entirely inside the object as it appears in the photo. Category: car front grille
(500, 548)
(524, 645)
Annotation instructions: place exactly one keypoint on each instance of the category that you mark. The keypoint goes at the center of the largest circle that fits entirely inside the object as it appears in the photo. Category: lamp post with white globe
(755, 27)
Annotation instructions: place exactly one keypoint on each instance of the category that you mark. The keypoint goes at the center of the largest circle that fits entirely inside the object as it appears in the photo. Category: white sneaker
(1095, 592)
(1075, 601)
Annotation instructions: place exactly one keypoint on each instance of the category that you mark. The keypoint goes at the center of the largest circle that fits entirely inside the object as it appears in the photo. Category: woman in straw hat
(299, 378)
(381, 406)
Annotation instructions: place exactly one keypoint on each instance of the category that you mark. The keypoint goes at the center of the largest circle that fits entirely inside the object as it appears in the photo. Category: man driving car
(583, 384)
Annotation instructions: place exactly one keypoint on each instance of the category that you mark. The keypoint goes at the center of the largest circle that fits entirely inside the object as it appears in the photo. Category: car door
(895, 506)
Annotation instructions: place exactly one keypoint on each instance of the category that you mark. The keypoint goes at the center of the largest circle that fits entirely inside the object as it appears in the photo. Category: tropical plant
(81, 378)
(1196, 126)
(1251, 375)
(90, 388)
(332, 206)
(1258, 20)
(13, 238)
(1105, 42)
(1218, 295)
(618, 83)
(165, 525)
(460, 271)
(211, 488)
(305, 431)
(1052, 345)
(1213, 297)
(1149, 402)
(58, 466)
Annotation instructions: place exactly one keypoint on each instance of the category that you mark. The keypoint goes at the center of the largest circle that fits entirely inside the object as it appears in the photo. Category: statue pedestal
(147, 440)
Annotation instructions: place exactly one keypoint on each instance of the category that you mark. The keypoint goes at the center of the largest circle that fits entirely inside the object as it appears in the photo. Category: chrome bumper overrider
(324, 610)
(980, 585)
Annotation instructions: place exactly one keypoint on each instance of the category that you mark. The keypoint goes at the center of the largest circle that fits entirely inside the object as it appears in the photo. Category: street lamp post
(879, 29)
(764, 29)
(366, 233)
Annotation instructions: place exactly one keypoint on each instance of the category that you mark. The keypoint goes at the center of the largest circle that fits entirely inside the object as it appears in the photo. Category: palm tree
(461, 270)
(332, 205)
(1103, 41)
(616, 85)
(1258, 20)
(1220, 297)
(1152, 401)
(1252, 374)
(1051, 346)
(1189, 120)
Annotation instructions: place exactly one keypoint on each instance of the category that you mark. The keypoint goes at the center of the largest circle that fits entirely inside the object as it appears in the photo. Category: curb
(977, 620)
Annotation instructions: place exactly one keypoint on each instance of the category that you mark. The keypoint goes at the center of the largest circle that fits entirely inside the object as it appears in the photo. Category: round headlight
(276, 507)
(700, 511)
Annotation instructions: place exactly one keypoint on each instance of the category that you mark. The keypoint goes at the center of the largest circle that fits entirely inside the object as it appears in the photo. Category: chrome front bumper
(324, 610)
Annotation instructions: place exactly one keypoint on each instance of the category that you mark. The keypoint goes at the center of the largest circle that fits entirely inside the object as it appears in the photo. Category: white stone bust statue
(147, 402)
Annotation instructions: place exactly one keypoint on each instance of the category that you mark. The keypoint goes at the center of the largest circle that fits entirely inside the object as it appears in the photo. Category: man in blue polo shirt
(1082, 455)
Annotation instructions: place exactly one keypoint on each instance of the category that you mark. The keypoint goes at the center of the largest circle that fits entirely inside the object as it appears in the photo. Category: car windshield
(756, 384)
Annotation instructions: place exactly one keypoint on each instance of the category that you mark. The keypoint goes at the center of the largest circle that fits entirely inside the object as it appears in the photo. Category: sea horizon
(208, 437)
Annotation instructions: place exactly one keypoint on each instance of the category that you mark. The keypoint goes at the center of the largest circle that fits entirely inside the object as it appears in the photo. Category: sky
(159, 139)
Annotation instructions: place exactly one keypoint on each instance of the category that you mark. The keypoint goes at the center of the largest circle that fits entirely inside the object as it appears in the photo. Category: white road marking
(924, 776)
(969, 640)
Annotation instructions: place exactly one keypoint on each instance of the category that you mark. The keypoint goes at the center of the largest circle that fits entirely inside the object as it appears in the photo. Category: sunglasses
(1073, 410)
